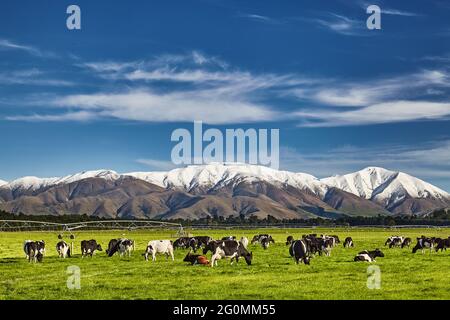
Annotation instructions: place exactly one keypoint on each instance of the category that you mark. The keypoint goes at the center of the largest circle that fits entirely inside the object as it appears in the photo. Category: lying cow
(88, 247)
(368, 256)
(196, 259)
(63, 249)
(122, 246)
(424, 243)
(348, 242)
(233, 250)
(159, 246)
(300, 251)
(34, 250)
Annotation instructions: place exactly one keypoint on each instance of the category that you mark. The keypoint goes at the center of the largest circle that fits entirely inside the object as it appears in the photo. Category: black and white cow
(159, 246)
(348, 242)
(233, 250)
(442, 244)
(181, 243)
(424, 243)
(396, 239)
(289, 240)
(299, 249)
(406, 242)
(34, 250)
(212, 246)
(368, 256)
(88, 247)
(122, 246)
(396, 242)
(63, 249)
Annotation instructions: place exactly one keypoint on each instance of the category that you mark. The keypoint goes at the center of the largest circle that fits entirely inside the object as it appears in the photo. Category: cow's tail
(68, 252)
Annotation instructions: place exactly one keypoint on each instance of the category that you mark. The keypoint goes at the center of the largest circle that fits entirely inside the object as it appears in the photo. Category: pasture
(272, 275)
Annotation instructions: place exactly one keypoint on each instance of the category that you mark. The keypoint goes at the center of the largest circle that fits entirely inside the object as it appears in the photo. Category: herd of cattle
(302, 250)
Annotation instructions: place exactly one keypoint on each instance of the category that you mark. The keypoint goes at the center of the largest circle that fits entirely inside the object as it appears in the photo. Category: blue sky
(109, 95)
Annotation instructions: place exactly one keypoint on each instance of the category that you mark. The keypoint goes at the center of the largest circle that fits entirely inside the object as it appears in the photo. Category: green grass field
(273, 274)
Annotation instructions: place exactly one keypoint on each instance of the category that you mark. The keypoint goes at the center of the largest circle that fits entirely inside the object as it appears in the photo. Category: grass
(273, 274)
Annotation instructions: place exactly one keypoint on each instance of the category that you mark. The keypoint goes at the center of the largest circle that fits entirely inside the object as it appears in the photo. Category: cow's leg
(154, 256)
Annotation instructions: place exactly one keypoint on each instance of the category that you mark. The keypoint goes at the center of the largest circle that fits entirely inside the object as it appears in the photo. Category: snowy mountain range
(222, 189)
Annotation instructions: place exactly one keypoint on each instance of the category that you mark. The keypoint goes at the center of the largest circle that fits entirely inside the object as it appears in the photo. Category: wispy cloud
(33, 77)
(259, 18)
(10, 45)
(69, 116)
(339, 24)
(387, 112)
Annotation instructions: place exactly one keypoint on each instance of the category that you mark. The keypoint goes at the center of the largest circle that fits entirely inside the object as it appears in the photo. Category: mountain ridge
(222, 189)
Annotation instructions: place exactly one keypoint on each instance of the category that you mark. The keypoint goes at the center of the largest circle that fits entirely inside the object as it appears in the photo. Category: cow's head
(99, 247)
(378, 253)
(248, 257)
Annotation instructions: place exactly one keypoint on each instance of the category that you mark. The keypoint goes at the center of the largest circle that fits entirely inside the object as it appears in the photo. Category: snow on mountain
(35, 183)
(385, 186)
(215, 175)
(2, 182)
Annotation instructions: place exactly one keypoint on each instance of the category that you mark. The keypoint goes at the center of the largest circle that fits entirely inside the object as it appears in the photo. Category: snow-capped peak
(35, 183)
(3, 182)
(219, 174)
(384, 185)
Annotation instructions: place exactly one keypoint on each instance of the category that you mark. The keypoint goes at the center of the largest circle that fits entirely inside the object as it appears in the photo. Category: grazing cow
(182, 242)
(368, 256)
(265, 243)
(244, 242)
(318, 244)
(396, 242)
(424, 243)
(231, 249)
(300, 251)
(348, 242)
(289, 240)
(88, 247)
(202, 240)
(442, 244)
(196, 259)
(229, 238)
(260, 237)
(194, 244)
(212, 246)
(406, 242)
(34, 250)
(159, 246)
(336, 240)
(392, 239)
(63, 249)
(123, 246)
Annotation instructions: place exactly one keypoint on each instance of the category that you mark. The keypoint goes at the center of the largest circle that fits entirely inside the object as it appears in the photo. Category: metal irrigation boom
(18, 225)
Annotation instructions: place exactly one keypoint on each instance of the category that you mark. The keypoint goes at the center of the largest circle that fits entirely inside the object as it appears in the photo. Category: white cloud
(143, 105)
(69, 116)
(387, 112)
